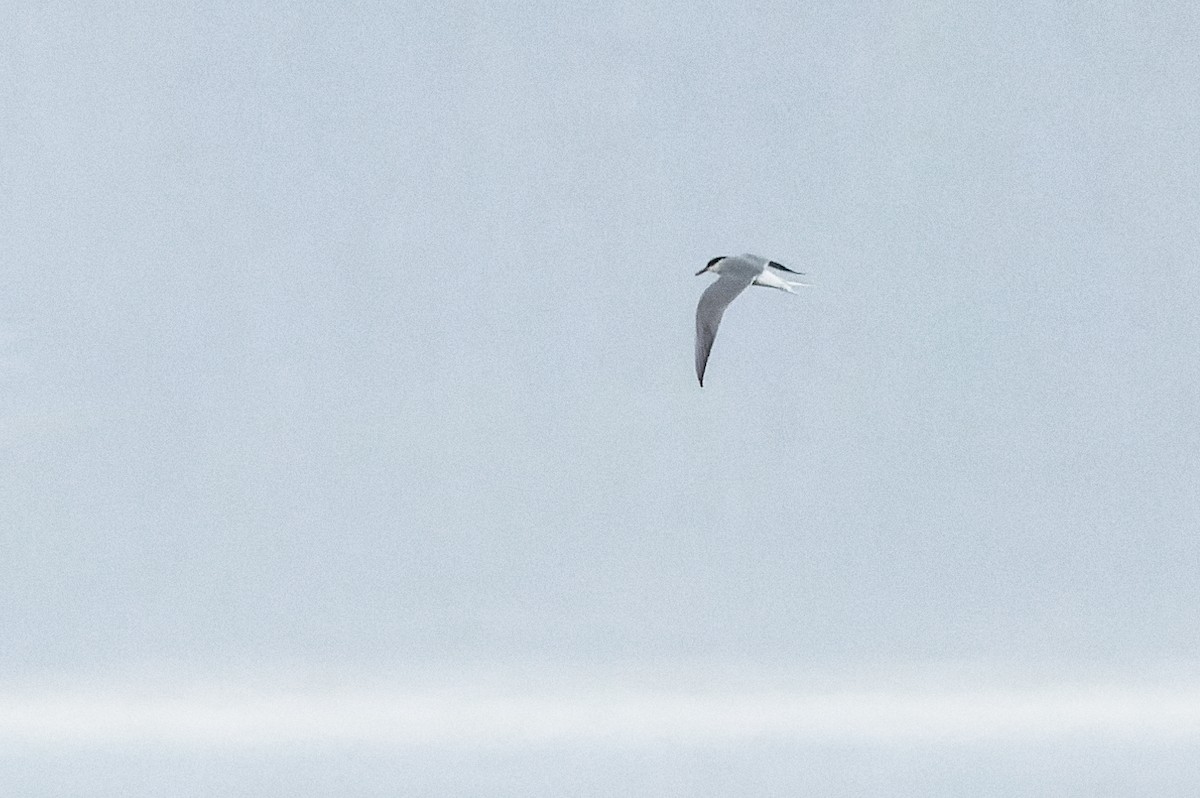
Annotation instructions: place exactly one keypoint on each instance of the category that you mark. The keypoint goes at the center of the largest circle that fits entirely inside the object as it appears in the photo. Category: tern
(736, 274)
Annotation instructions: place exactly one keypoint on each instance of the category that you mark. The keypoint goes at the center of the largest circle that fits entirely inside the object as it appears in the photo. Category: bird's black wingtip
(782, 268)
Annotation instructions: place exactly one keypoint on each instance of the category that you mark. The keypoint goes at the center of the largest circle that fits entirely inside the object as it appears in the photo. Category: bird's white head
(713, 266)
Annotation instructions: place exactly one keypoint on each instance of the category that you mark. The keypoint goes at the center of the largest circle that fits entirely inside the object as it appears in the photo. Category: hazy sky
(359, 336)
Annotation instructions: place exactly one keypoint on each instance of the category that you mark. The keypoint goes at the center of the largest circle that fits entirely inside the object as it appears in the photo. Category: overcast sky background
(357, 339)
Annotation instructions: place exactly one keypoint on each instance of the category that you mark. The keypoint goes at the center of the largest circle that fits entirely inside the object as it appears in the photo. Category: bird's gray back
(752, 265)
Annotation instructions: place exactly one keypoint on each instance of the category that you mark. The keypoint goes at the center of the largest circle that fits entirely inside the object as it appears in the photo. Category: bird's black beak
(702, 271)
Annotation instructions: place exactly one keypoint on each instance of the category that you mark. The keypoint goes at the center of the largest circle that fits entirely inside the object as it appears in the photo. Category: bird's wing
(782, 268)
(712, 306)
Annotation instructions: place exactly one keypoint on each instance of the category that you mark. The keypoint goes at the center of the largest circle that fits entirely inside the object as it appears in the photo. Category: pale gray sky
(357, 339)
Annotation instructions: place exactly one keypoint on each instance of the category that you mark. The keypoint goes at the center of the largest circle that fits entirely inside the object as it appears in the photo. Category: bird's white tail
(771, 279)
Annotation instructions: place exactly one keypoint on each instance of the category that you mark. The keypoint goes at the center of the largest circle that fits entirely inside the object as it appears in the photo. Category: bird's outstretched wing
(712, 306)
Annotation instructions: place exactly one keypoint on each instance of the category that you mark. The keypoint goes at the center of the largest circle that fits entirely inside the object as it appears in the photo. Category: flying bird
(736, 273)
